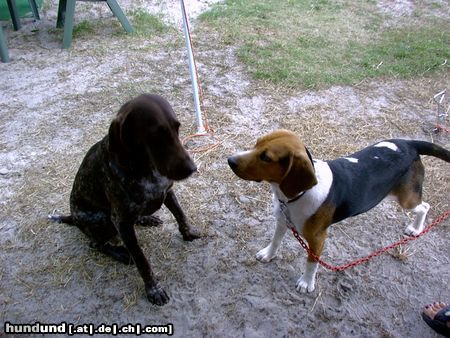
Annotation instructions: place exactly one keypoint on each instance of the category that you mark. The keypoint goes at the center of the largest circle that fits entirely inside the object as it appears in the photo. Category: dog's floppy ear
(300, 174)
(116, 146)
(309, 156)
(115, 142)
(115, 134)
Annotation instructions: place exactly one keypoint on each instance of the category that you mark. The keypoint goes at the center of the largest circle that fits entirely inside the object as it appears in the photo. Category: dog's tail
(431, 149)
(61, 219)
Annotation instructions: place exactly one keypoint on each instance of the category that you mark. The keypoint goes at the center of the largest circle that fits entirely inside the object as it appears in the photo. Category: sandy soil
(55, 104)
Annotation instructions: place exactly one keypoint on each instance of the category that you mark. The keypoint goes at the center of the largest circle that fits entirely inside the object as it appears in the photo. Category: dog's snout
(232, 162)
(182, 169)
(192, 168)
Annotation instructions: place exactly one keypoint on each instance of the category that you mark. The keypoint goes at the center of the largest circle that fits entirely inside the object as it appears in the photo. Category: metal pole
(198, 112)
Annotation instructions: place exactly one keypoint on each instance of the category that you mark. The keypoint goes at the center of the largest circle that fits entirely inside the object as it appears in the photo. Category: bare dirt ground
(54, 104)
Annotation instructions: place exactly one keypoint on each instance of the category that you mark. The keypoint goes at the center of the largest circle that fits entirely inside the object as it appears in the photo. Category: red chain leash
(436, 221)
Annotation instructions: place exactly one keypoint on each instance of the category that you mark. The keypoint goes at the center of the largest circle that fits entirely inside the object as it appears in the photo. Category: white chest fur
(155, 187)
(300, 210)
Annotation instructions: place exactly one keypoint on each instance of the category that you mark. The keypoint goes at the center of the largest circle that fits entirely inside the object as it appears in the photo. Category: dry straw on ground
(56, 104)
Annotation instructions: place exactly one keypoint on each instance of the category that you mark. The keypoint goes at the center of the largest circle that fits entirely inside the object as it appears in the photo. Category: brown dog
(126, 177)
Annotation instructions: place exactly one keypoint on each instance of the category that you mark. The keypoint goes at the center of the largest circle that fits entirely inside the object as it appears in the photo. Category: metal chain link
(359, 261)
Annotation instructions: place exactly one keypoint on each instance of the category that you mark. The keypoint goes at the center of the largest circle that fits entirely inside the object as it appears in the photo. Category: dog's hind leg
(98, 227)
(118, 252)
(415, 228)
(409, 195)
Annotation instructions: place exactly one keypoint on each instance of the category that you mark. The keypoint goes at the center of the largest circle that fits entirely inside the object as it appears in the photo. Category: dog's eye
(264, 157)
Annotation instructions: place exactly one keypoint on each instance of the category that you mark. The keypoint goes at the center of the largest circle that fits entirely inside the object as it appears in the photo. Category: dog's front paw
(410, 230)
(304, 285)
(266, 254)
(190, 234)
(157, 295)
(149, 221)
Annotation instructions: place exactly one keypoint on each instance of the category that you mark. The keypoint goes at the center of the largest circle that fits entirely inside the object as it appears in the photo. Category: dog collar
(297, 197)
(294, 199)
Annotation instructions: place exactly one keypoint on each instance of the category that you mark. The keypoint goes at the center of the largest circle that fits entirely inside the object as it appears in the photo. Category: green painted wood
(23, 8)
(68, 23)
(117, 11)
(14, 14)
(4, 55)
(66, 12)
(34, 9)
(61, 13)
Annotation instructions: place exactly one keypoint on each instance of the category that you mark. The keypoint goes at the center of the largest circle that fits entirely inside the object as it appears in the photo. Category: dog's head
(279, 157)
(145, 133)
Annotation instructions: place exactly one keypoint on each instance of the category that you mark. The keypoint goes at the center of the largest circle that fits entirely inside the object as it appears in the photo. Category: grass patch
(147, 24)
(311, 43)
(83, 28)
(407, 52)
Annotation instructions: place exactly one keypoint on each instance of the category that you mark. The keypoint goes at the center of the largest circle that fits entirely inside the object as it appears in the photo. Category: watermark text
(89, 329)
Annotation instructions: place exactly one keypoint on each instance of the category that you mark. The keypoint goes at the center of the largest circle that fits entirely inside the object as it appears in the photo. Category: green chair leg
(14, 14)
(66, 11)
(4, 55)
(68, 23)
(61, 13)
(34, 9)
(115, 8)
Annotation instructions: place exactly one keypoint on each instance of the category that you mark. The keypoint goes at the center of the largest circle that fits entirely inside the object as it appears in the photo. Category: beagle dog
(310, 195)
